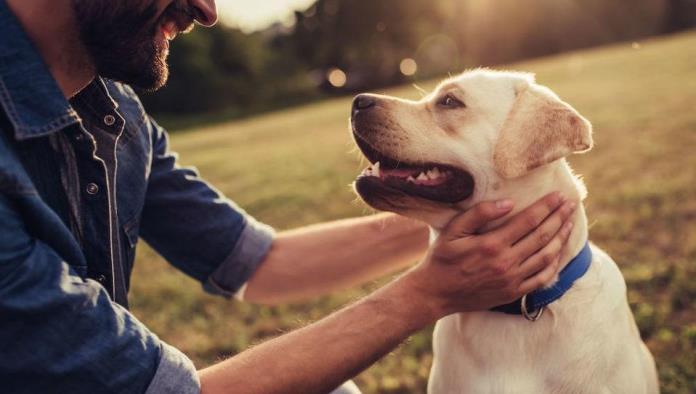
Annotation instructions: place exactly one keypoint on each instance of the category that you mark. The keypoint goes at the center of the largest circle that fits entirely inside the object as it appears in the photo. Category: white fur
(586, 342)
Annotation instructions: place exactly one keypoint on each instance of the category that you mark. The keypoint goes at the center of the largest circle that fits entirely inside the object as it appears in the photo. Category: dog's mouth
(431, 181)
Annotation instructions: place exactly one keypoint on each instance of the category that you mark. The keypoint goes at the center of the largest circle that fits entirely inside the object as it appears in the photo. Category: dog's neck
(524, 191)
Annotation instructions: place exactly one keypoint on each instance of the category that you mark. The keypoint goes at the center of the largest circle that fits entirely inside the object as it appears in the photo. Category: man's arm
(195, 228)
(462, 272)
(319, 259)
(319, 357)
(208, 237)
(60, 333)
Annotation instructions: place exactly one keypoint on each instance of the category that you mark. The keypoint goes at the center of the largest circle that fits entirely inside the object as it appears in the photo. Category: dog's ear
(540, 128)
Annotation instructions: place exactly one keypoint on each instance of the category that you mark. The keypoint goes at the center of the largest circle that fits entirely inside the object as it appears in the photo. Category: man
(84, 172)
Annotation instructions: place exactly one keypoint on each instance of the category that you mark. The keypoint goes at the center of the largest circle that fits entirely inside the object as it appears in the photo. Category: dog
(488, 135)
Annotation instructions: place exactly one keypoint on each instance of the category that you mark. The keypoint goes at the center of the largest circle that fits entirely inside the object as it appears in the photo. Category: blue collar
(577, 267)
(31, 98)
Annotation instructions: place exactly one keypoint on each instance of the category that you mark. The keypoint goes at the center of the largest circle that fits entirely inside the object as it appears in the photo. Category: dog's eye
(449, 101)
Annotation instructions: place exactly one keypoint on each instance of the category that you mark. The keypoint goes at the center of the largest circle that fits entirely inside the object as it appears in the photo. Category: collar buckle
(539, 299)
(526, 313)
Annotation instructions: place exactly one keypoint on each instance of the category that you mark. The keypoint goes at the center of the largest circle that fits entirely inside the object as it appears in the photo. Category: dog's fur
(512, 137)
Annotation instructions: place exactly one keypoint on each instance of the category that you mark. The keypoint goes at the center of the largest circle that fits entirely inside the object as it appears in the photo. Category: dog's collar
(532, 305)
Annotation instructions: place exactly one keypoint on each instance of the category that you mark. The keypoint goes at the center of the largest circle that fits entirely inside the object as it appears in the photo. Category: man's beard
(122, 38)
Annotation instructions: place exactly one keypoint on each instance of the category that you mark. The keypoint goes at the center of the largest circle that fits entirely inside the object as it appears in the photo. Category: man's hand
(466, 270)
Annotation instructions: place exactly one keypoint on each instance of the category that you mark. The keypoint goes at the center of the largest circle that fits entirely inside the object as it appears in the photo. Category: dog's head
(438, 156)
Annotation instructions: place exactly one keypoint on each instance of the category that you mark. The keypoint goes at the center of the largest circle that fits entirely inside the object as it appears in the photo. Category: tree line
(341, 46)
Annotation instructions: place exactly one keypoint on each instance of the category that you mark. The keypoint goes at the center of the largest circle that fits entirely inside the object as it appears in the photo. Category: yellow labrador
(488, 135)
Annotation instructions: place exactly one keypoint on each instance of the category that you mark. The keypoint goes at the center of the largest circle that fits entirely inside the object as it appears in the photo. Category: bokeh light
(337, 77)
(408, 67)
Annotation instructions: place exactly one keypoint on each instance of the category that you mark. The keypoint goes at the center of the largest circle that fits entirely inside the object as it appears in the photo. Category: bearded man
(85, 172)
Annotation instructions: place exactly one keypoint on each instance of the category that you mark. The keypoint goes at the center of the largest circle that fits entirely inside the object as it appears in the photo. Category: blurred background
(284, 52)
(260, 105)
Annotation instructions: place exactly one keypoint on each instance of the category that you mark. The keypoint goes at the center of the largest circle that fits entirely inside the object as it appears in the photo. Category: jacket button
(109, 120)
(92, 189)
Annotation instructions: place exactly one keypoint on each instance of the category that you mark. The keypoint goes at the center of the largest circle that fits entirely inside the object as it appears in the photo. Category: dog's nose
(363, 102)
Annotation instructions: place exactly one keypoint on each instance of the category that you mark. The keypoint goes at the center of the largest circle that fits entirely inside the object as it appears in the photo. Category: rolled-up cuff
(175, 374)
(230, 278)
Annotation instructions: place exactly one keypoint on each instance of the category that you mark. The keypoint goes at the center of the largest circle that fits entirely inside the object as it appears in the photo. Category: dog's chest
(491, 352)
(497, 353)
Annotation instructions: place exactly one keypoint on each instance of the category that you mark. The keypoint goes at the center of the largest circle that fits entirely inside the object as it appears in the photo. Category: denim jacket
(71, 214)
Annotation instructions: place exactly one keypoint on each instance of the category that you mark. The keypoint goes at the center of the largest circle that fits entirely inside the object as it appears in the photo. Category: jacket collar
(29, 95)
(535, 302)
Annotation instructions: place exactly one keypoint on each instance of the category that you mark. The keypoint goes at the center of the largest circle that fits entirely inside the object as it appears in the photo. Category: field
(294, 167)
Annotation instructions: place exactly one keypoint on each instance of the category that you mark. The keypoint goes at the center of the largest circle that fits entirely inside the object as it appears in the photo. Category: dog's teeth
(435, 173)
(422, 177)
(375, 169)
(411, 179)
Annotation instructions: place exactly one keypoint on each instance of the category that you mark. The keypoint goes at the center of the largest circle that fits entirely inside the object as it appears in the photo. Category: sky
(252, 15)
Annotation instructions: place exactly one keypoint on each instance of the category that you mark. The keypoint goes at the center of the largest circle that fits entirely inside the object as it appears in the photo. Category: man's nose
(206, 12)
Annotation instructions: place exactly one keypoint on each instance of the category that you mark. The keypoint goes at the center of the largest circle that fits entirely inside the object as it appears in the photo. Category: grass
(293, 167)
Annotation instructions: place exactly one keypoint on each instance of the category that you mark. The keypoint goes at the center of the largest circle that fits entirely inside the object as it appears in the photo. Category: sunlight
(251, 15)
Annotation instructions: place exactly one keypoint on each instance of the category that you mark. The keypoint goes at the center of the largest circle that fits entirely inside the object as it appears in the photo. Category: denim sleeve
(60, 333)
(197, 229)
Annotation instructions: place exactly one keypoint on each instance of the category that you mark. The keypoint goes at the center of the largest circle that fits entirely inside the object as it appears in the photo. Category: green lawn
(294, 167)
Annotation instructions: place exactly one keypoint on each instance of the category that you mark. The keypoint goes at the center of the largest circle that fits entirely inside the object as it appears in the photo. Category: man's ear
(540, 129)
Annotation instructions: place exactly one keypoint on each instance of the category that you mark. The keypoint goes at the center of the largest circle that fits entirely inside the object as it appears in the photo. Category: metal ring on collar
(523, 306)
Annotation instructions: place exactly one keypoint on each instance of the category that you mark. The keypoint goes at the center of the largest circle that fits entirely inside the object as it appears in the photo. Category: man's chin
(148, 78)
(144, 67)
(154, 84)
